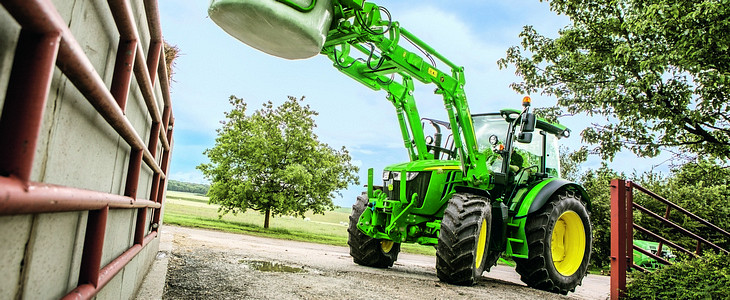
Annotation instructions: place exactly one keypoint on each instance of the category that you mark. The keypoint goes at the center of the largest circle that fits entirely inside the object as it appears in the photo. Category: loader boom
(360, 26)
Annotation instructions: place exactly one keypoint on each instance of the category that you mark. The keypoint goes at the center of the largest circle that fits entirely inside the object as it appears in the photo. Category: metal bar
(25, 101)
(155, 186)
(633, 266)
(618, 238)
(167, 108)
(17, 197)
(145, 85)
(93, 246)
(157, 213)
(675, 226)
(140, 226)
(684, 211)
(427, 48)
(153, 59)
(699, 248)
(124, 18)
(166, 112)
(652, 255)
(153, 22)
(132, 181)
(35, 15)
(165, 166)
(629, 222)
(154, 137)
(668, 242)
(123, 71)
(144, 70)
(666, 216)
(88, 290)
(122, 13)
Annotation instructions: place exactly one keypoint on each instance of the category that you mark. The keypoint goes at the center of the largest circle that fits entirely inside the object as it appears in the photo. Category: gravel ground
(216, 265)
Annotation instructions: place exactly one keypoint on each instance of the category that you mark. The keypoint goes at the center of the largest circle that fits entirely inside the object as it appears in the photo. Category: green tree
(598, 186)
(657, 70)
(597, 183)
(570, 162)
(271, 162)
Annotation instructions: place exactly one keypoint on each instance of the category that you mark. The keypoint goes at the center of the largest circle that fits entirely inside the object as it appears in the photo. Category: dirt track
(215, 265)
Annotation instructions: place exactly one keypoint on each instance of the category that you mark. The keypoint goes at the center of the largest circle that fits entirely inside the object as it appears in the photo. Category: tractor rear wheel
(461, 253)
(365, 250)
(559, 239)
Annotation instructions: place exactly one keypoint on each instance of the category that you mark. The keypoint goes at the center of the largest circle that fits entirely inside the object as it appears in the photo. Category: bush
(707, 277)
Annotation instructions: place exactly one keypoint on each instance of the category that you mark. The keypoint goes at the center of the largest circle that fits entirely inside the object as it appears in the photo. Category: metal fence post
(618, 238)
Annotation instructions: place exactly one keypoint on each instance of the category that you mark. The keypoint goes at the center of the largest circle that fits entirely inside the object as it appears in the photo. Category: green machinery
(477, 186)
(646, 261)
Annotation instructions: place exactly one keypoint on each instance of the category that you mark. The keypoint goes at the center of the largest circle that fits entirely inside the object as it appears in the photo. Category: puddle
(267, 266)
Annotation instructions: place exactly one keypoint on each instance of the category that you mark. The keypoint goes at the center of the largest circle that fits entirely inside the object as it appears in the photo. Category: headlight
(386, 175)
(409, 176)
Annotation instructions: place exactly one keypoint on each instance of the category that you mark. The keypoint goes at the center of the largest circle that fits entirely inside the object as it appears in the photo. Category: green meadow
(190, 210)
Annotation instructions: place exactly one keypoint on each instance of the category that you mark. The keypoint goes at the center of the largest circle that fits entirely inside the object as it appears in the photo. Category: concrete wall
(40, 255)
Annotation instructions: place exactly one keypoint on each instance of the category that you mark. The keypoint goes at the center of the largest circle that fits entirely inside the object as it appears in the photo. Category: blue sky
(473, 33)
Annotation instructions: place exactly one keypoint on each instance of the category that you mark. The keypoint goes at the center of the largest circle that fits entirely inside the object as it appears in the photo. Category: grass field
(192, 210)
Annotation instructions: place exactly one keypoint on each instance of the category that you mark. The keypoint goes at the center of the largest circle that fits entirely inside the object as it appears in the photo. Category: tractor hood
(425, 165)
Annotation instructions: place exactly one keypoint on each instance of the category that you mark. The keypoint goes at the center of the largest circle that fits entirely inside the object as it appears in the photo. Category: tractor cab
(511, 155)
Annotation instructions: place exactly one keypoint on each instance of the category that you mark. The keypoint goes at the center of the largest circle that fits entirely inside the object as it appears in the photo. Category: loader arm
(360, 26)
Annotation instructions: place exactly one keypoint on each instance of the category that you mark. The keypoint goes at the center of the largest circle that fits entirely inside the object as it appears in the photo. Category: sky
(472, 33)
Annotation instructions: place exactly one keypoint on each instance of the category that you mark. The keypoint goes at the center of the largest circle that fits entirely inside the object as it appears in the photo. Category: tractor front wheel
(559, 239)
(365, 250)
(461, 253)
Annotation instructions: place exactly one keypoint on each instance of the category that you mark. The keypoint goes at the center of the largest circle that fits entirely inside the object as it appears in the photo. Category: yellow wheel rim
(481, 244)
(568, 243)
(386, 246)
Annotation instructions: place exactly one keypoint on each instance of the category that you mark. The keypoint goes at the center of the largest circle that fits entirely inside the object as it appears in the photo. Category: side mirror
(525, 137)
(528, 122)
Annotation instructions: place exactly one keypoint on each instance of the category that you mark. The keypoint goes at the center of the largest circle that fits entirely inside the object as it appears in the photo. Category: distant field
(186, 209)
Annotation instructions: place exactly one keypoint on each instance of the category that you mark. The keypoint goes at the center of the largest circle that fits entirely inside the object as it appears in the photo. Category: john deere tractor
(477, 187)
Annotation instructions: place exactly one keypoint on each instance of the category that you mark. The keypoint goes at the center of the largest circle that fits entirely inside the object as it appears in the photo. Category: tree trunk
(266, 219)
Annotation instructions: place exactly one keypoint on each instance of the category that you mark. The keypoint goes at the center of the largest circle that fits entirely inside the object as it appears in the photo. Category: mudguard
(540, 194)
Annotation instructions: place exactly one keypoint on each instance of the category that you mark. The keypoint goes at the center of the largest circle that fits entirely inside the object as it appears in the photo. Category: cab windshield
(493, 124)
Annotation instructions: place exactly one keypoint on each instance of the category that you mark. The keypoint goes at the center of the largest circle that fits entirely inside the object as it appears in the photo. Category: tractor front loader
(477, 187)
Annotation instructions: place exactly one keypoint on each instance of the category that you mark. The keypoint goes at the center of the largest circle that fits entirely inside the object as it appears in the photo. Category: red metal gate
(622, 232)
(46, 41)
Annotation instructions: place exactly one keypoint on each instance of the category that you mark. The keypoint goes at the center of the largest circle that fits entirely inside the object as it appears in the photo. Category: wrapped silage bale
(292, 29)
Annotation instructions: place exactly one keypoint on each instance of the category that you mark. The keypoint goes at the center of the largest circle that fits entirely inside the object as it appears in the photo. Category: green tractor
(477, 187)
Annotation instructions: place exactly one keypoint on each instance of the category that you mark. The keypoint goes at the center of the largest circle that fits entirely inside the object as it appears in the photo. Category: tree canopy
(271, 161)
(657, 70)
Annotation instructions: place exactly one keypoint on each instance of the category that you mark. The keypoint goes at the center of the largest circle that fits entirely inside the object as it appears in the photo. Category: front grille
(418, 185)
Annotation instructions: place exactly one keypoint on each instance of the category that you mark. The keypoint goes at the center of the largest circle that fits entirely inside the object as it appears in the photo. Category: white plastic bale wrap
(274, 27)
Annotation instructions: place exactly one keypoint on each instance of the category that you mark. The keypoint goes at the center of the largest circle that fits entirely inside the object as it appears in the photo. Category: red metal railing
(622, 232)
(45, 40)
